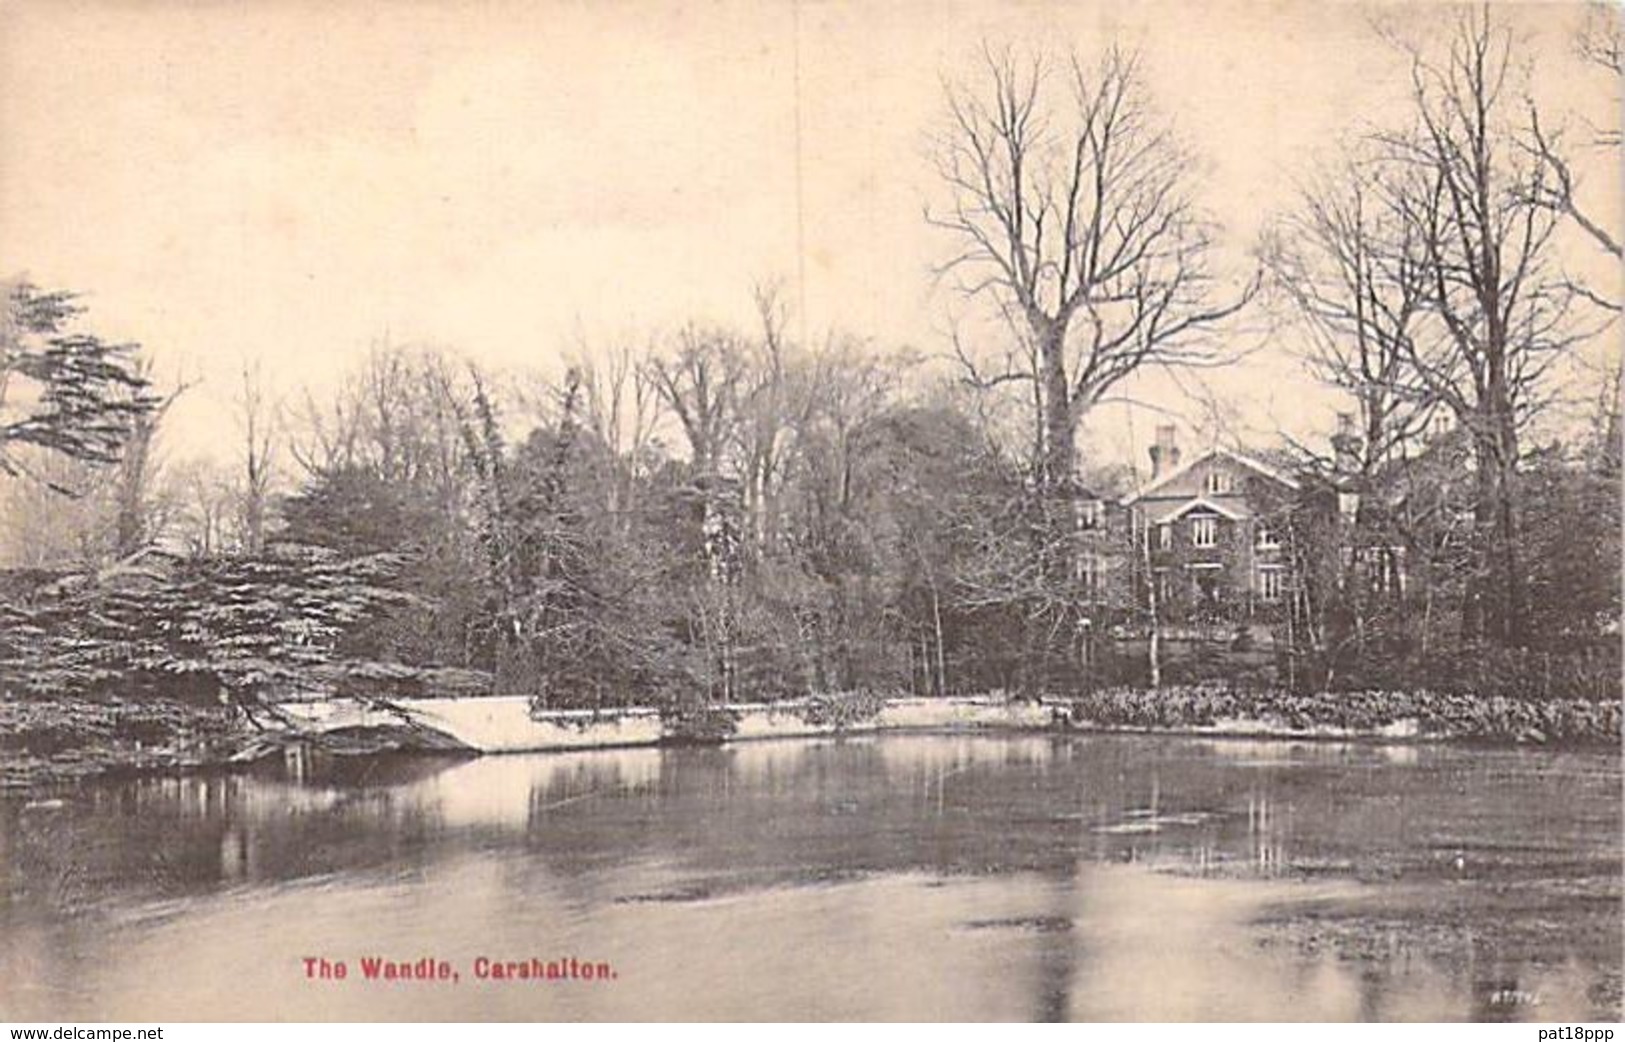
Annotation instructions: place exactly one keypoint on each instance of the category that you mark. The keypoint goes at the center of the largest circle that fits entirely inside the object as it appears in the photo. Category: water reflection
(921, 877)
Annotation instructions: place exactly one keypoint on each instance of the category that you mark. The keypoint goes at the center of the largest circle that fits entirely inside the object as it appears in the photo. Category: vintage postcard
(810, 511)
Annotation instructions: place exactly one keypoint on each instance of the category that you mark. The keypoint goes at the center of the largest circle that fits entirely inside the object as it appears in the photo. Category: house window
(1267, 539)
(1387, 570)
(1089, 576)
(1089, 514)
(1165, 537)
(1205, 531)
(1271, 583)
(1163, 588)
(1218, 482)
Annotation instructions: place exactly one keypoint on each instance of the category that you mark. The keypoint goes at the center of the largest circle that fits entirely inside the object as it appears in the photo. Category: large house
(1205, 545)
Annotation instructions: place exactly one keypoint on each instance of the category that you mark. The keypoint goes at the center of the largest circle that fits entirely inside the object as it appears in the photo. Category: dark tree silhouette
(62, 391)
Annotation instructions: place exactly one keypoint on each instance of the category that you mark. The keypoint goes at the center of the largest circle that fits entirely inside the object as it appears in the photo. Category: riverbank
(60, 742)
(64, 740)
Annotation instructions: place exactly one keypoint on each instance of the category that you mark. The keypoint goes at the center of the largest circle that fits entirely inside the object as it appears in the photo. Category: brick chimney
(1346, 445)
(1165, 453)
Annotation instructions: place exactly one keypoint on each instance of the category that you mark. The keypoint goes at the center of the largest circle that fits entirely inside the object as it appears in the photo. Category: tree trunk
(1506, 535)
(1154, 641)
(1496, 608)
(942, 657)
(1058, 465)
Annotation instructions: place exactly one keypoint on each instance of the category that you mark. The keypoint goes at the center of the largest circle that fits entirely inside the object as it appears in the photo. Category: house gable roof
(1180, 471)
(1199, 503)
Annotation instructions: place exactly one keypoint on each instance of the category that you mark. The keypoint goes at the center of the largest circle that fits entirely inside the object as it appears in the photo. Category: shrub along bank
(1439, 715)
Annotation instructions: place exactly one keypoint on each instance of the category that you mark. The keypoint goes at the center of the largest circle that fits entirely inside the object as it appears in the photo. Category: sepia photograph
(811, 511)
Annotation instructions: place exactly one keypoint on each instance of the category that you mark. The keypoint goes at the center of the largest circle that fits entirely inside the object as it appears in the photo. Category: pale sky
(290, 182)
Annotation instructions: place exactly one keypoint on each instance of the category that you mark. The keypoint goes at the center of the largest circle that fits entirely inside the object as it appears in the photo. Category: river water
(897, 877)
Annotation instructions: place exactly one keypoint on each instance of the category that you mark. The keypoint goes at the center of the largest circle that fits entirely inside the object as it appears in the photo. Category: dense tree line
(1426, 273)
(728, 514)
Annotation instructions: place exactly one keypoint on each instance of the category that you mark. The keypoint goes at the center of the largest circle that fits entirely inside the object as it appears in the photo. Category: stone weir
(510, 725)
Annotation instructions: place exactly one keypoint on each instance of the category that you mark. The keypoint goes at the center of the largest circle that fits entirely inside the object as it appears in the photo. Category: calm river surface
(918, 877)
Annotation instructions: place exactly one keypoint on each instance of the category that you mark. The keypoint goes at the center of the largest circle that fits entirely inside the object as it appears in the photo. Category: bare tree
(1470, 193)
(1352, 269)
(1071, 208)
(57, 518)
(1558, 192)
(619, 408)
(1600, 43)
(399, 417)
(776, 401)
(137, 511)
(256, 422)
(204, 495)
(853, 386)
(700, 382)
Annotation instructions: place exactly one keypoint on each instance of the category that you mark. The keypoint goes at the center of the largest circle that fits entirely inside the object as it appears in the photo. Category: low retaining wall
(506, 724)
